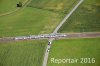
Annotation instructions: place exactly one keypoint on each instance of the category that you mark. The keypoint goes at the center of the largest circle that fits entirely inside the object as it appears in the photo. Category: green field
(34, 20)
(8, 5)
(75, 48)
(61, 6)
(22, 53)
(28, 21)
(85, 19)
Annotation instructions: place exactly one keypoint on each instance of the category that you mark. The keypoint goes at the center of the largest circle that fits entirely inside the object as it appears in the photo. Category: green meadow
(22, 53)
(38, 17)
(60, 6)
(85, 19)
(28, 21)
(8, 5)
(76, 48)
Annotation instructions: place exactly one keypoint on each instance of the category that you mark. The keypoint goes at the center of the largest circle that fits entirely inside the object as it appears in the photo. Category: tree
(19, 4)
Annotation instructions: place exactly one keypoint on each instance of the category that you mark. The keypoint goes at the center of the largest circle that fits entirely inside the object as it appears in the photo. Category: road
(32, 37)
(25, 3)
(49, 36)
(69, 35)
(81, 35)
(56, 30)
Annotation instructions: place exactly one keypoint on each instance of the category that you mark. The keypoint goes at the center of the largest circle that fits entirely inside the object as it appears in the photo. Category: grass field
(75, 48)
(29, 21)
(22, 53)
(85, 19)
(32, 19)
(62, 6)
(8, 5)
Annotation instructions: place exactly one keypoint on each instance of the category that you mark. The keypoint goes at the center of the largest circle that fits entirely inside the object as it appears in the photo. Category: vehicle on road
(49, 43)
(48, 49)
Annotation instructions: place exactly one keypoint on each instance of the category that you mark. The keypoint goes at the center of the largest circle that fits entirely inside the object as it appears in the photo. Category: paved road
(81, 35)
(55, 31)
(25, 3)
(69, 35)
(32, 37)
(49, 36)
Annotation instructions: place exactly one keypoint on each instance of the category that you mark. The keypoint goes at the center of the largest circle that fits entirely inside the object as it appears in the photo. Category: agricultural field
(28, 21)
(42, 17)
(8, 5)
(32, 19)
(22, 53)
(85, 19)
(61, 6)
(75, 48)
